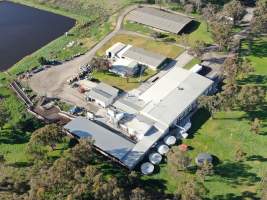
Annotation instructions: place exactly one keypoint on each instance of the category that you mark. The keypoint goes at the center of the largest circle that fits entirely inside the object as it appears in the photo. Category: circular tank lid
(155, 158)
(163, 149)
(147, 168)
(169, 140)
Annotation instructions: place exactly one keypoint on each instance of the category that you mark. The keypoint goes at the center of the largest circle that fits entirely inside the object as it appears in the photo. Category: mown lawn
(193, 62)
(121, 83)
(169, 50)
(221, 137)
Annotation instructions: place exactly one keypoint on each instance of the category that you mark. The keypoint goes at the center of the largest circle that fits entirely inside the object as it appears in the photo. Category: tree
(235, 68)
(47, 135)
(82, 154)
(209, 13)
(138, 194)
(191, 190)
(42, 60)
(198, 48)
(259, 21)
(222, 33)
(264, 187)
(184, 40)
(2, 159)
(250, 96)
(239, 154)
(100, 64)
(178, 160)
(235, 10)
(4, 115)
(109, 190)
(255, 126)
(206, 169)
(211, 103)
(189, 8)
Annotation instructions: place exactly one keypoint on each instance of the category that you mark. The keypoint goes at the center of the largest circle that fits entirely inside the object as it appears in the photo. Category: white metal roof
(143, 56)
(116, 48)
(184, 94)
(165, 85)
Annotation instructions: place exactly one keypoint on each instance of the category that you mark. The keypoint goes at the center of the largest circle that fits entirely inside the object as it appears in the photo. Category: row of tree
(234, 95)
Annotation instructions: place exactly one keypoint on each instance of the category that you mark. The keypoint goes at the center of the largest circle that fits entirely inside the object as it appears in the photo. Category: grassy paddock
(122, 83)
(168, 50)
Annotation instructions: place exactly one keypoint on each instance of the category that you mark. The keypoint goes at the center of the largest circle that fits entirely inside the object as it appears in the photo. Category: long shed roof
(105, 139)
(159, 19)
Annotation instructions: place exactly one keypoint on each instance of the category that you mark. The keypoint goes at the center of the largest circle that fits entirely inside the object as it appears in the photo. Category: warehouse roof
(160, 19)
(184, 87)
(104, 139)
(144, 57)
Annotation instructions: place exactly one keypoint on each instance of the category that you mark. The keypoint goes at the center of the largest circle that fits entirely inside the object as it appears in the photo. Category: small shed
(203, 157)
(102, 94)
(114, 50)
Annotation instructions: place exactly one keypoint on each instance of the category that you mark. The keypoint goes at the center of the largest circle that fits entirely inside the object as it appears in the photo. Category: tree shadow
(259, 48)
(236, 173)
(254, 79)
(244, 195)
(257, 158)
(21, 164)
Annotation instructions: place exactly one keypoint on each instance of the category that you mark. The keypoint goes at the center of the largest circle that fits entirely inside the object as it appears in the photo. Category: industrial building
(147, 118)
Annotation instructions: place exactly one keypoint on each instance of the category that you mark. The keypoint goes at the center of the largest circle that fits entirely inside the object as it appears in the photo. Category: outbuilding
(102, 94)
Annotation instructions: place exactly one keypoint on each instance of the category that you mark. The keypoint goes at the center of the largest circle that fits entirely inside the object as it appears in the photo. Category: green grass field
(221, 137)
(193, 62)
(168, 50)
(121, 83)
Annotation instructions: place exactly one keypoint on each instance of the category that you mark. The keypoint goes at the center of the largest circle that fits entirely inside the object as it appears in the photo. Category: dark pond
(23, 30)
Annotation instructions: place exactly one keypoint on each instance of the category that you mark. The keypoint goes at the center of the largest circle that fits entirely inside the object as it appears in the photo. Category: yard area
(121, 83)
(222, 136)
(169, 50)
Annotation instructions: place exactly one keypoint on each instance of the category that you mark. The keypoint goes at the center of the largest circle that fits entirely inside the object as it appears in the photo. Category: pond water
(23, 30)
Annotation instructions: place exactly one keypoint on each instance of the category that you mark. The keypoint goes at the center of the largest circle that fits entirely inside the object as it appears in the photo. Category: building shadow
(190, 27)
(198, 119)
